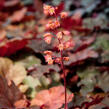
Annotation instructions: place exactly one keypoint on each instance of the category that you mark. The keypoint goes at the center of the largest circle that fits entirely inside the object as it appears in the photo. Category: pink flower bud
(53, 24)
(48, 52)
(58, 60)
(63, 15)
(61, 47)
(66, 58)
(66, 32)
(68, 44)
(49, 59)
(57, 24)
(47, 35)
(48, 39)
(59, 35)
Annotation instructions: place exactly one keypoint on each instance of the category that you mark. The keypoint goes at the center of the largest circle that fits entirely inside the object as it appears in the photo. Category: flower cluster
(50, 58)
(53, 25)
(49, 10)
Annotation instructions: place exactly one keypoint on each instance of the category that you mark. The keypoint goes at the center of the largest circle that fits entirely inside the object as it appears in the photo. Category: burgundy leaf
(12, 46)
(85, 44)
(8, 94)
(70, 23)
(80, 56)
(60, 8)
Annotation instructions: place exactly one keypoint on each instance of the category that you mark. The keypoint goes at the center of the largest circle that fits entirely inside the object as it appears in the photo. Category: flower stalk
(65, 85)
(62, 45)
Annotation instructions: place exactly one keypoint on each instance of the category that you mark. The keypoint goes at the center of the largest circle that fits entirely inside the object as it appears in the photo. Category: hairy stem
(62, 66)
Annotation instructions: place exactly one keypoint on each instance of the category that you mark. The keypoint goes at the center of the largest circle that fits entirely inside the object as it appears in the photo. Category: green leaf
(101, 43)
(87, 81)
(29, 61)
(31, 82)
(103, 81)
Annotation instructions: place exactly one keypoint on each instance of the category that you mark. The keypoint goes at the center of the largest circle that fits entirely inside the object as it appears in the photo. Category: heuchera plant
(53, 26)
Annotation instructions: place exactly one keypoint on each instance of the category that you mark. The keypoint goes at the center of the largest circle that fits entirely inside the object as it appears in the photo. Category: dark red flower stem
(62, 67)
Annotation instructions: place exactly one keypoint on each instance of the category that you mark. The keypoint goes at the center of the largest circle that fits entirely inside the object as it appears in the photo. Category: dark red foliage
(74, 79)
(86, 43)
(12, 46)
(70, 23)
(2, 4)
(60, 8)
